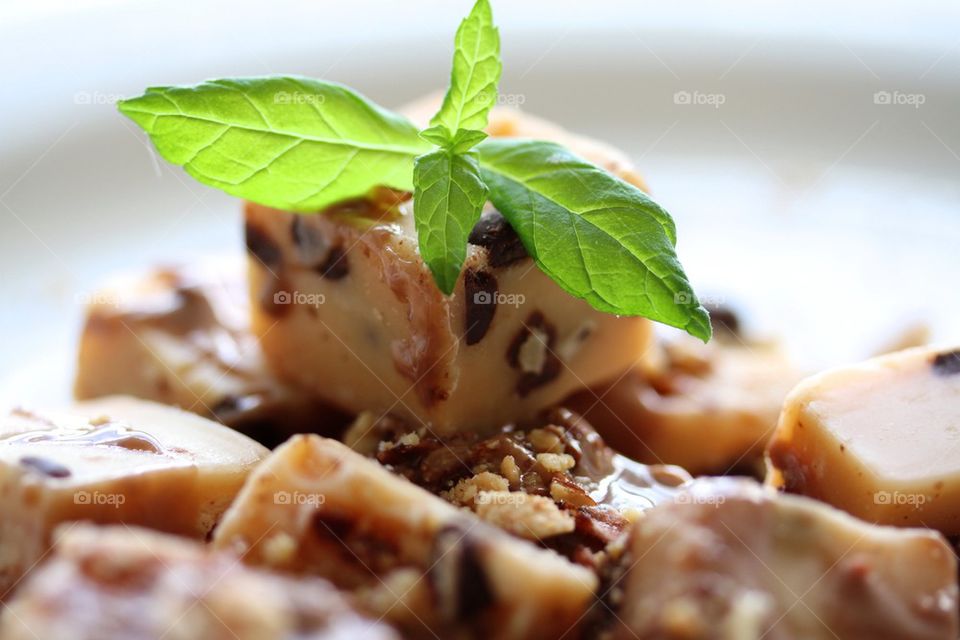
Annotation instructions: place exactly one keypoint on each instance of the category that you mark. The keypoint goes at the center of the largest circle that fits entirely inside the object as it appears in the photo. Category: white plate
(831, 217)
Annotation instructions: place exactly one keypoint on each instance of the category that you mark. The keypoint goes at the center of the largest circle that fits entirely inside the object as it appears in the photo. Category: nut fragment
(465, 492)
(545, 441)
(524, 515)
(570, 495)
(556, 462)
(532, 353)
(510, 470)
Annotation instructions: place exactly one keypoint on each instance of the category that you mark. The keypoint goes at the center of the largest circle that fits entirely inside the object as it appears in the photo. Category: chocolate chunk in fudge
(494, 233)
(947, 364)
(480, 289)
(261, 246)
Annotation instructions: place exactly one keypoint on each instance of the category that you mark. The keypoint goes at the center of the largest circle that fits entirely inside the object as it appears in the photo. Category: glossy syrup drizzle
(107, 434)
(632, 485)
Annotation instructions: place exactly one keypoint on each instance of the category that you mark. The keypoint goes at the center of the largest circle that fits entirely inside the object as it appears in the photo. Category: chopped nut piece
(545, 441)
(524, 515)
(510, 470)
(602, 492)
(467, 489)
(877, 439)
(358, 524)
(122, 583)
(740, 560)
(556, 462)
(570, 495)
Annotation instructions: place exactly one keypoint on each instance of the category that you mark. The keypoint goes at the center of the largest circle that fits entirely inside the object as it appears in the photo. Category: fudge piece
(743, 563)
(316, 507)
(378, 335)
(181, 336)
(346, 309)
(880, 439)
(707, 408)
(124, 583)
(111, 461)
(557, 484)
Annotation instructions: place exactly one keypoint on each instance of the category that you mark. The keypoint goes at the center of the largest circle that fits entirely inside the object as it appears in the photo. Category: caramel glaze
(107, 434)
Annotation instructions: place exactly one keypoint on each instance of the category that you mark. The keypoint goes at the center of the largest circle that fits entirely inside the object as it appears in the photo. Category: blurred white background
(809, 151)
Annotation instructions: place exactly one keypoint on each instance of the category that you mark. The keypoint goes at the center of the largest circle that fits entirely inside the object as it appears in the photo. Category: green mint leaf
(286, 142)
(448, 199)
(461, 142)
(476, 71)
(438, 135)
(466, 139)
(598, 237)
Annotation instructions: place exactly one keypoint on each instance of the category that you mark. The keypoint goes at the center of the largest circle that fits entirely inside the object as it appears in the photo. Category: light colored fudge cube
(346, 309)
(125, 583)
(181, 336)
(360, 323)
(315, 507)
(731, 561)
(880, 439)
(116, 460)
(707, 408)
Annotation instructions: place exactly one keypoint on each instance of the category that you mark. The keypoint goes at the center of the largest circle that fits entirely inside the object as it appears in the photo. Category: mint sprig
(449, 193)
(448, 200)
(302, 145)
(473, 79)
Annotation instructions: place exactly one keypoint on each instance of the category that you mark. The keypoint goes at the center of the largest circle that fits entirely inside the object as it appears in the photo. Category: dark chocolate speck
(480, 292)
(459, 579)
(261, 246)
(496, 235)
(45, 466)
(724, 320)
(947, 364)
(313, 248)
(336, 266)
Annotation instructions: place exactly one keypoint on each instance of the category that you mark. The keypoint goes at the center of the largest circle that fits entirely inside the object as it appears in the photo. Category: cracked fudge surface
(315, 507)
(346, 309)
(181, 336)
(745, 564)
(879, 439)
(558, 485)
(125, 583)
(116, 460)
